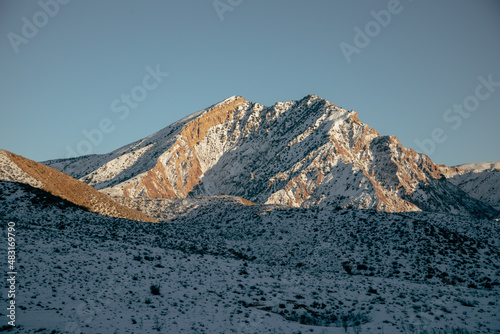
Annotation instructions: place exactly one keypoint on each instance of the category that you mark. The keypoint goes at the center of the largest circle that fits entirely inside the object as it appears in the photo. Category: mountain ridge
(481, 181)
(301, 153)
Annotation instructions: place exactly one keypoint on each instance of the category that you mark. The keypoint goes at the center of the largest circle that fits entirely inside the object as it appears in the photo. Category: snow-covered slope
(477, 167)
(481, 181)
(164, 209)
(14, 168)
(237, 268)
(298, 153)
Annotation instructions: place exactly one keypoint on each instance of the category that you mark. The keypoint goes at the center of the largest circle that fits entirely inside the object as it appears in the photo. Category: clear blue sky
(64, 78)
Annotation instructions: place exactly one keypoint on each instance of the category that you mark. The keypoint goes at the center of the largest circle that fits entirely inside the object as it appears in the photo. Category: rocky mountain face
(302, 153)
(16, 171)
(481, 181)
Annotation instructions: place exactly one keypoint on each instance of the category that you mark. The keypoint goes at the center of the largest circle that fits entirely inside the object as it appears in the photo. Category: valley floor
(83, 273)
(77, 283)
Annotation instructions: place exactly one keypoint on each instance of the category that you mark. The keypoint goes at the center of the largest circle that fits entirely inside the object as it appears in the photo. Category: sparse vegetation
(297, 281)
(155, 289)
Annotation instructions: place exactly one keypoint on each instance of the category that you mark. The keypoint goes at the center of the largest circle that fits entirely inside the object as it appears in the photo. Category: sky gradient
(407, 75)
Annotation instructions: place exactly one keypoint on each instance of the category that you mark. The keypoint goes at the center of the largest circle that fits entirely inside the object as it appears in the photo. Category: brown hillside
(64, 186)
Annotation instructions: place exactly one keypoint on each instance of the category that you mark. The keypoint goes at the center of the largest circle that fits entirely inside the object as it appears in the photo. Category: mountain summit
(301, 153)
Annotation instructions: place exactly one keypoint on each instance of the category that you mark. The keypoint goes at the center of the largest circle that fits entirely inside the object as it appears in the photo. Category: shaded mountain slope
(481, 181)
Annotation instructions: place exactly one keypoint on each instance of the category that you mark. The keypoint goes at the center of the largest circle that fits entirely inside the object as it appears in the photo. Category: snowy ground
(257, 269)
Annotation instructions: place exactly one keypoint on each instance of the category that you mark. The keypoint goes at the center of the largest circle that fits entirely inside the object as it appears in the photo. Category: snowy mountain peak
(232, 98)
(301, 153)
(229, 100)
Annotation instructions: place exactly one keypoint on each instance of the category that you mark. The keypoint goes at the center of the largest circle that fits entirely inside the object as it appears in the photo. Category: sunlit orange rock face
(175, 175)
